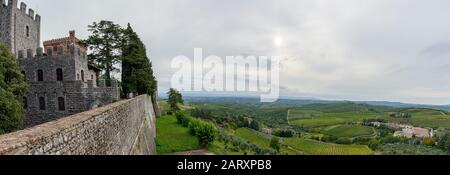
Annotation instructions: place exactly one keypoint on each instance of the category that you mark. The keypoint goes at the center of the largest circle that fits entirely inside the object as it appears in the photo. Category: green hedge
(205, 131)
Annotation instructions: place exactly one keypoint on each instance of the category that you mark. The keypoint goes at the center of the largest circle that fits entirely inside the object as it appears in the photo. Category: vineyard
(320, 148)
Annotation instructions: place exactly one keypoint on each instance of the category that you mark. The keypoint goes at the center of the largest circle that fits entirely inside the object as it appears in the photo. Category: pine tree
(105, 43)
(12, 91)
(175, 98)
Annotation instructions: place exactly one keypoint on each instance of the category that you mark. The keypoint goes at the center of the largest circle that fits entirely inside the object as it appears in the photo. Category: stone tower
(19, 29)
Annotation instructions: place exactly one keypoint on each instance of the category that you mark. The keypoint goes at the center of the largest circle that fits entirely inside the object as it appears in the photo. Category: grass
(315, 118)
(260, 139)
(218, 148)
(172, 137)
(165, 107)
(349, 131)
(253, 137)
(319, 148)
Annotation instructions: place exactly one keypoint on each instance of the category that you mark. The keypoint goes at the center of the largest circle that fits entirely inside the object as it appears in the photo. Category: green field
(315, 116)
(349, 131)
(260, 139)
(172, 137)
(253, 137)
(304, 146)
(333, 114)
(319, 148)
(428, 118)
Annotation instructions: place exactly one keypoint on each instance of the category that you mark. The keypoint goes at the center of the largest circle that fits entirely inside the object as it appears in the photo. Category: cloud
(348, 49)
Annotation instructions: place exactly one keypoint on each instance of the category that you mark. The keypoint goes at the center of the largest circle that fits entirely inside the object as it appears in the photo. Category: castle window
(40, 75)
(92, 77)
(61, 104)
(41, 103)
(24, 75)
(78, 76)
(82, 75)
(27, 31)
(59, 74)
(25, 103)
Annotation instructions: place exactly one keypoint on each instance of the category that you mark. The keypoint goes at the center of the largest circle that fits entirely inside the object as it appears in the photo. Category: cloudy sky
(396, 50)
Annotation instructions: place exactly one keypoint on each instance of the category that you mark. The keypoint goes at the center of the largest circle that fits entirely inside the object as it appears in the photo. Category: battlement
(13, 5)
(39, 52)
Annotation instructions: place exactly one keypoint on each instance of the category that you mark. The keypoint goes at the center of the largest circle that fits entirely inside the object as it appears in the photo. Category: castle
(61, 82)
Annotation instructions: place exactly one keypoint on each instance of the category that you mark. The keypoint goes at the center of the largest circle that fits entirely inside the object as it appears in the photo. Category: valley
(248, 127)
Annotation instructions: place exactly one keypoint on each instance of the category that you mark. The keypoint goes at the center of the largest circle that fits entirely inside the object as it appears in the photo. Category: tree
(284, 133)
(444, 142)
(374, 144)
(175, 98)
(255, 125)
(12, 91)
(275, 144)
(137, 72)
(105, 43)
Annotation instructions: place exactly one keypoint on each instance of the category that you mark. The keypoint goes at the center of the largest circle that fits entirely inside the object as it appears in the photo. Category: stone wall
(123, 128)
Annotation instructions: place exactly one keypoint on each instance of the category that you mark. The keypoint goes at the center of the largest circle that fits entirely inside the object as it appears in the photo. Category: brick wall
(123, 128)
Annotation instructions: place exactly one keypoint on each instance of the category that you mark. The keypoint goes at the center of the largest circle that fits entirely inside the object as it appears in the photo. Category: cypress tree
(137, 72)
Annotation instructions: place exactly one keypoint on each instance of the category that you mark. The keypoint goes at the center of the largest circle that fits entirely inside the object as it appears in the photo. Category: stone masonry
(49, 98)
(20, 30)
(61, 81)
(123, 128)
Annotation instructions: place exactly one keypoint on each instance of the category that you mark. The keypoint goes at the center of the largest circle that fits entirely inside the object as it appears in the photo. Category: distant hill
(303, 102)
(405, 105)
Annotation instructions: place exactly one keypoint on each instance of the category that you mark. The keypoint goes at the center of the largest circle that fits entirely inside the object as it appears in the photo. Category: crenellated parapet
(13, 5)
(38, 53)
(20, 26)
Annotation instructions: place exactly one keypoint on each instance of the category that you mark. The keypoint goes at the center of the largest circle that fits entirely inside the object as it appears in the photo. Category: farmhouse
(266, 131)
(410, 132)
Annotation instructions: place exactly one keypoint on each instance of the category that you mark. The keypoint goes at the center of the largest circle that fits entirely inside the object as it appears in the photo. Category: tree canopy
(175, 98)
(137, 72)
(105, 44)
(12, 91)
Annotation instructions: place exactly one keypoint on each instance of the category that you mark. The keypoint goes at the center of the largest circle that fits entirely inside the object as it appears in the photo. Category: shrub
(429, 141)
(327, 138)
(205, 131)
(275, 144)
(374, 144)
(285, 133)
(182, 118)
(344, 141)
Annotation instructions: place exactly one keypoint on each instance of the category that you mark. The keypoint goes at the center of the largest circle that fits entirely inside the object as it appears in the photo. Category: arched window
(78, 76)
(27, 31)
(41, 103)
(61, 104)
(92, 77)
(59, 74)
(40, 75)
(82, 75)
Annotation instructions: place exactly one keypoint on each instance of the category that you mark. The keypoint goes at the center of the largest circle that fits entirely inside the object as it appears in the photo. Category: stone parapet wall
(123, 128)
